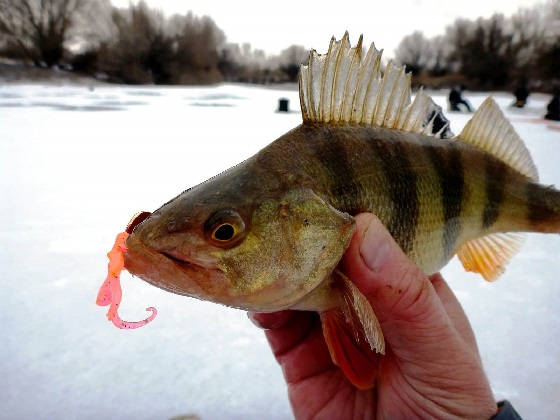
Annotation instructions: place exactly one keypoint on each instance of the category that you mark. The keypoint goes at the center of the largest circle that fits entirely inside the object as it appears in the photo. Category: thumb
(402, 296)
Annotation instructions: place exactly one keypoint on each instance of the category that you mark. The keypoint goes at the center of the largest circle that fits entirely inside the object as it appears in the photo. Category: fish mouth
(185, 263)
(168, 272)
(180, 262)
(187, 260)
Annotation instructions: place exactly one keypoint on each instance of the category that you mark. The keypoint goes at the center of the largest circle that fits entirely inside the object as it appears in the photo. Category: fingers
(296, 339)
(454, 311)
(285, 330)
(403, 298)
(272, 320)
(384, 274)
(422, 323)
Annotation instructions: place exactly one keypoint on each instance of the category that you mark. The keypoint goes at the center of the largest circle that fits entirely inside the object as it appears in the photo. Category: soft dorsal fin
(489, 254)
(489, 130)
(343, 87)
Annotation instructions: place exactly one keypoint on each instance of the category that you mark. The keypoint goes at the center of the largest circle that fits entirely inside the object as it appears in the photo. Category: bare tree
(138, 50)
(39, 28)
(197, 41)
(147, 47)
(484, 51)
(548, 48)
(413, 52)
(291, 59)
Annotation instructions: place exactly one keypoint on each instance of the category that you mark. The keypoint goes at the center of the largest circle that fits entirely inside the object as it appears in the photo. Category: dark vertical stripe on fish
(495, 171)
(446, 160)
(537, 210)
(340, 176)
(402, 189)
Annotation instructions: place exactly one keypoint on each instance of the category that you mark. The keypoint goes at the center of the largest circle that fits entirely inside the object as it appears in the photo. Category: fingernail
(375, 248)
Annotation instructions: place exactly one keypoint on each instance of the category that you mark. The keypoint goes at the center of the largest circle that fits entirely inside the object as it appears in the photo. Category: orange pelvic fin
(353, 336)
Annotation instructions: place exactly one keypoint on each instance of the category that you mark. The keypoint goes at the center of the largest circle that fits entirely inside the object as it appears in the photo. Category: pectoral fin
(354, 336)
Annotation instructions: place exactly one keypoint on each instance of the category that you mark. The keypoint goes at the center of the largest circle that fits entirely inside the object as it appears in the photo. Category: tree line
(135, 45)
(139, 44)
(490, 53)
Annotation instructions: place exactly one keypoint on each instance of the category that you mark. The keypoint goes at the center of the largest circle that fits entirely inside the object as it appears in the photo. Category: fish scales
(269, 233)
(494, 172)
(402, 187)
(542, 208)
(391, 173)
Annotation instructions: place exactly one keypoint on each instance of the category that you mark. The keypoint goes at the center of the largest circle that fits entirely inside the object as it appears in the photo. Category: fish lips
(170, 273)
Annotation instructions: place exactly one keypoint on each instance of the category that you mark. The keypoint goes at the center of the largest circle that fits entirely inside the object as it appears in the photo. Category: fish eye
(224, 232)
(225, 228)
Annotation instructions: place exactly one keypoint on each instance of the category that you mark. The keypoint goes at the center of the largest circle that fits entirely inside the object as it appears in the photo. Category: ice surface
(75, 164)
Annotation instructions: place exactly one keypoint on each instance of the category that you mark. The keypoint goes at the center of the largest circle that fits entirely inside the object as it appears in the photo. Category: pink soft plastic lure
(110, 292)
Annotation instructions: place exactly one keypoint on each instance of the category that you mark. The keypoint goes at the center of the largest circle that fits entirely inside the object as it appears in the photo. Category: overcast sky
(275, 25)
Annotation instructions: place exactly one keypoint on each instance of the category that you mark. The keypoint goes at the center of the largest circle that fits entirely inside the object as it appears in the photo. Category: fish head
(240, 245)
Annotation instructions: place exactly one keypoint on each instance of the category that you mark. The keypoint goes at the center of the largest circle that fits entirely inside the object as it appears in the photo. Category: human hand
(432, 368)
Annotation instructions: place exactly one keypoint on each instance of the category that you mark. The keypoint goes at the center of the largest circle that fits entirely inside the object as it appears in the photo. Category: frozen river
(76, 164)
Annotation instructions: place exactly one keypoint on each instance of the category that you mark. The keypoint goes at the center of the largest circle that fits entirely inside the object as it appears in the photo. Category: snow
(76, 163)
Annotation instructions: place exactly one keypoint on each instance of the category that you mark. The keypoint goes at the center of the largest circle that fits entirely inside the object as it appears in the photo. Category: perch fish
(268, 234)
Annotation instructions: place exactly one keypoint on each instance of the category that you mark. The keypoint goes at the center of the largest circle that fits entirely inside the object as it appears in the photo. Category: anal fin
(354, 336)
(488, 255)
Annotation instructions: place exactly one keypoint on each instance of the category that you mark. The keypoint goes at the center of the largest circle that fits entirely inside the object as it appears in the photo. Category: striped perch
(269, 233)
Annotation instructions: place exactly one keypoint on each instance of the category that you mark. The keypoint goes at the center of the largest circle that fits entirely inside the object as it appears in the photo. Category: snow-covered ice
(75, 164)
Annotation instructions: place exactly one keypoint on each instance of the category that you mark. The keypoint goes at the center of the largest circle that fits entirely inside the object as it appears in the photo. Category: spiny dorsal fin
(489, 130)
(489, 254)
(342, 87)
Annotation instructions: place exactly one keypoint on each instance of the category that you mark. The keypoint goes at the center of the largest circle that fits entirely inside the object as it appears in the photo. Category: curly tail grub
(110, 292)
